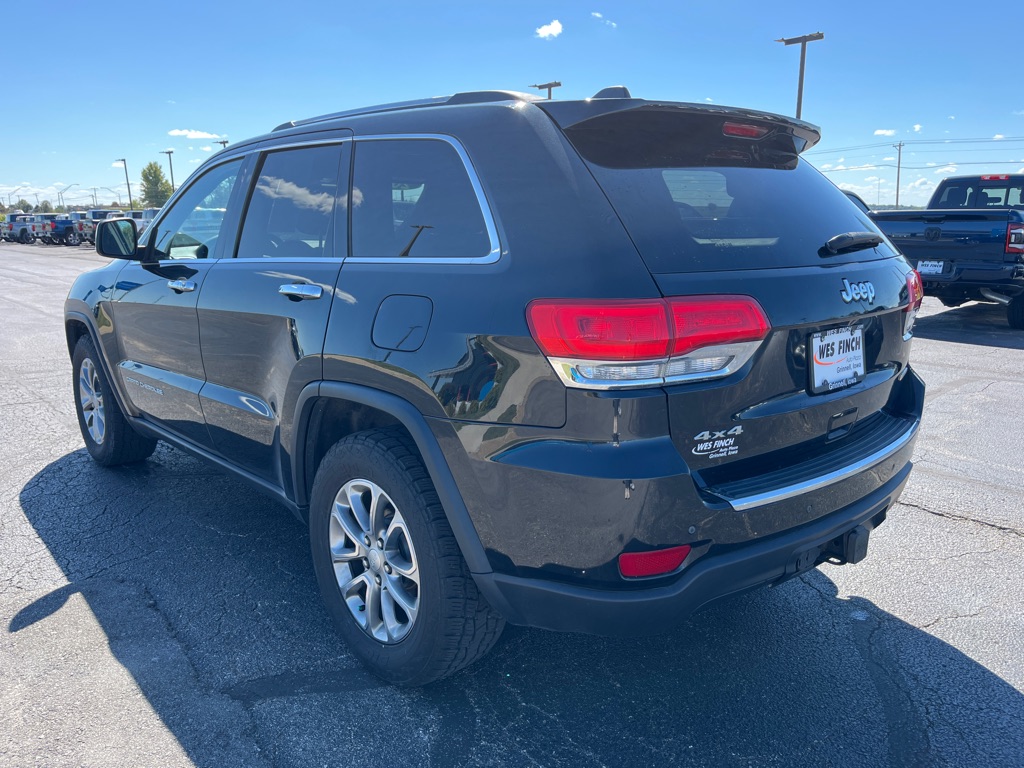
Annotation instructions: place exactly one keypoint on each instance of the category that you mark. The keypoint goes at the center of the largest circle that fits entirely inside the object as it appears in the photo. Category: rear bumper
(770, 560)
(968, 277)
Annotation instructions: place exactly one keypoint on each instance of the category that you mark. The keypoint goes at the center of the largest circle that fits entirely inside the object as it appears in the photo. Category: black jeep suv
(582, 365)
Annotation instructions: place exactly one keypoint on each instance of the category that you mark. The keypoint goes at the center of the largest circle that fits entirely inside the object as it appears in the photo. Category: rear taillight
(915, 295)
(636, 565)
(1015, 238)
(615, 344)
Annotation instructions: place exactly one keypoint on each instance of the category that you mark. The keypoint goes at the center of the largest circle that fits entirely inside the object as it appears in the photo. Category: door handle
(181, 286)
(301, 291)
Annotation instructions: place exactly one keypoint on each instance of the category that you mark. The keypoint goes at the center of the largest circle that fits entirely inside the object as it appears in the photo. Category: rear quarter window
(413, 198)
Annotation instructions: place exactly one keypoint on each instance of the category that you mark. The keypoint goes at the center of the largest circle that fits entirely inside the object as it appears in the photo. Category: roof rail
(466, 97)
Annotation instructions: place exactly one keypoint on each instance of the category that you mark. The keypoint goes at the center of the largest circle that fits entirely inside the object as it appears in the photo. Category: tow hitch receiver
(851, 547)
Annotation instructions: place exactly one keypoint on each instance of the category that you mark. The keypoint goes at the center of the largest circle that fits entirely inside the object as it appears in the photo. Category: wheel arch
(328, 411)
(78, 324)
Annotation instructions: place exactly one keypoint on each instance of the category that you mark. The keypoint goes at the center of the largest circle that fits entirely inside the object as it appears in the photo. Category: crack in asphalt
(965, 519)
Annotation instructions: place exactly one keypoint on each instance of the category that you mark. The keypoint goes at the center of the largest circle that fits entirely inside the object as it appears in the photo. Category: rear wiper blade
(850, 241)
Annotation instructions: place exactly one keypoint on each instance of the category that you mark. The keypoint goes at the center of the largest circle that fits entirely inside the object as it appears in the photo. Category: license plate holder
(837, 358)
(931, 267)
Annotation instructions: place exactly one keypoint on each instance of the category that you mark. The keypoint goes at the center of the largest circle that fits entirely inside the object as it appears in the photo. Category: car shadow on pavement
(205, 593)
(971, 323)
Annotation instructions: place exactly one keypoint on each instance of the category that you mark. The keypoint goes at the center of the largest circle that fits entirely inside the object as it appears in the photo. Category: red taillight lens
(600, 330)
(1015, 238)
(701, 321)
(638, 564)
(617, 344)
(915, 291)
(744, 130)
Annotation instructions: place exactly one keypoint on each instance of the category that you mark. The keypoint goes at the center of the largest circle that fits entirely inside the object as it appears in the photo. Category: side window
(413, 198)
(191, 228)
(292, 205)
(1016, 196)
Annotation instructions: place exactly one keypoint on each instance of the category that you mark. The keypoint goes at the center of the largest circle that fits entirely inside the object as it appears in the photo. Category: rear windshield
(981, 193)
(695, 199)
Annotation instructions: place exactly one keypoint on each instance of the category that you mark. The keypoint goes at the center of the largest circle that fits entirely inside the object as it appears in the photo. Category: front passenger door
(154, 307)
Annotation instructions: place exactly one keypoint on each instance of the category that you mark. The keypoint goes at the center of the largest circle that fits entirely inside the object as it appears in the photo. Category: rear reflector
(615, 344)
(634, 565)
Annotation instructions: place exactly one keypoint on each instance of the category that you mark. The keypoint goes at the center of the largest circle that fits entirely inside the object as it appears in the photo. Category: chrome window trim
(781, 494)
(478, 190)
(485, 209)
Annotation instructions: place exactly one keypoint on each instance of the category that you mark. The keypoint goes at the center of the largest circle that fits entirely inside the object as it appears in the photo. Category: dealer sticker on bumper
(930, 267)
(838, 356)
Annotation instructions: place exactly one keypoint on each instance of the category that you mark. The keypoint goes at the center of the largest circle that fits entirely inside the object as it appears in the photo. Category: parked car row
(66, 228)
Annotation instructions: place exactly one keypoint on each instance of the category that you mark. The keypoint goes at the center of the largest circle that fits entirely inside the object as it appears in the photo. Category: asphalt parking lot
(165, 614)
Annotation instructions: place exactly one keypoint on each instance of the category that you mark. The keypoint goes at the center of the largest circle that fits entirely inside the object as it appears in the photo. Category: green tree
(155, 187)
(45, 207)
(23, 205)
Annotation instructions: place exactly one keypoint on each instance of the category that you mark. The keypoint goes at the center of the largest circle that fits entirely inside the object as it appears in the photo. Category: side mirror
(117, 238)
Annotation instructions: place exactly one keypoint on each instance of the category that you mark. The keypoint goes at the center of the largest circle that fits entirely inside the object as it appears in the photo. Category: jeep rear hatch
(721, 207)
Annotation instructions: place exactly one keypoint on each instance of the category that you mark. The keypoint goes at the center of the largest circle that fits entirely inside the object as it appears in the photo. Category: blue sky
(145, 77)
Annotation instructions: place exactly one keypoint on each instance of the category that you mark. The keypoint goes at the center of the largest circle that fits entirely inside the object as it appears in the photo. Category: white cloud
(998, 136)
(946, 169)
(888, 158)
(921, 183)
(206, 149)
(917, 127)
(841, 160)
(171, 102)
(870, 178)
(931, 164)
(196, 160)
(117, 164)
(190, 134)
(600, 17)
(952, 117)
(826, 166)
(885, 132)
(708, 99)
(547, 32)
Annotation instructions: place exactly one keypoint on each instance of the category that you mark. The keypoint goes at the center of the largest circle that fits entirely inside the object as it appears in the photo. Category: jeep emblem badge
(864, 291)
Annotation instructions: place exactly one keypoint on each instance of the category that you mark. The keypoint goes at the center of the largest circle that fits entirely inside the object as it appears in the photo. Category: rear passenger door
(263, 310)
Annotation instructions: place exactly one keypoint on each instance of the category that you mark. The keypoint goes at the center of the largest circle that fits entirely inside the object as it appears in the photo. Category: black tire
(72, 238)
(453, 625)
(25, 238)
(108, 436)
(1015, 313)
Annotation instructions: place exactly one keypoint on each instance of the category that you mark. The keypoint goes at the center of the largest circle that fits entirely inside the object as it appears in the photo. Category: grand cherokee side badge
(864, 291)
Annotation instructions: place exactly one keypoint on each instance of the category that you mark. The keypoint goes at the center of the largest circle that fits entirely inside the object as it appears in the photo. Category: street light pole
(803, 40)
(60, 195)
(223, 143)
(899, 164)
(170, 152)
(116, 194)
(11, 193)
(550, 86)
(124, 162)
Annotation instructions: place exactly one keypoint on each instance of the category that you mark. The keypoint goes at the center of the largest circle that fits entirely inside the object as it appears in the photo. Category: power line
(915, 142)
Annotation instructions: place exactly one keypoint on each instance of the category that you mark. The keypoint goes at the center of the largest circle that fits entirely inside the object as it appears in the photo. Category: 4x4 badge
(864, 291)
(717, 444)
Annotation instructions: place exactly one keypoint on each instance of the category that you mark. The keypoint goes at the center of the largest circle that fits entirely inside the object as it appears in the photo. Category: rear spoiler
(571, 114)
